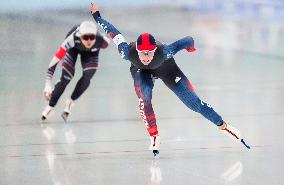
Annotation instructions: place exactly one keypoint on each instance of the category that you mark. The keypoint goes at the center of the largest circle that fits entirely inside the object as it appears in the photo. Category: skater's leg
(58, 90)
(60, 87)
(68, 70)
(80, 88)
(181, 86)
(143, 84)
(89, 65)
(83, 84)
(89, 62)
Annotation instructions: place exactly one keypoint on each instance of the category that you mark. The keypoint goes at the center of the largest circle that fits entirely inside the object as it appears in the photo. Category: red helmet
(146, 42)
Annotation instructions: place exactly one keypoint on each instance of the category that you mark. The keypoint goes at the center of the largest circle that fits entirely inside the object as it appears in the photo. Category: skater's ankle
(223, 126)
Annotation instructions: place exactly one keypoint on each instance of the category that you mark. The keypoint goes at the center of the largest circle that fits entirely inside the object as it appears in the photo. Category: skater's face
(88, 40)
(146, 56)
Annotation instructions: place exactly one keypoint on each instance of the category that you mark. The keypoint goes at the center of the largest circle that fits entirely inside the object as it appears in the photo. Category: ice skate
(155, 145)
(233, 133)
(67, 110)
(47, 112)
(64, 116)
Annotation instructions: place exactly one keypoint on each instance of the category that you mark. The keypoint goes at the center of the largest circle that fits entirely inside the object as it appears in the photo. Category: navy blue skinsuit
(162, 66)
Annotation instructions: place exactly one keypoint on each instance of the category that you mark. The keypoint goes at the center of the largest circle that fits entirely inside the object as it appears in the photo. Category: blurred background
(238, 68)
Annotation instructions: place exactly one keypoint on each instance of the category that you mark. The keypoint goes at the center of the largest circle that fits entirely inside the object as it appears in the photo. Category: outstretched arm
(184, 43)
(116, 36)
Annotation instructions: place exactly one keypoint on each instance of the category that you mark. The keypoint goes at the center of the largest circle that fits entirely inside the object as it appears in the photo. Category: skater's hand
(94, 8)
(191, 49)
(47, 90)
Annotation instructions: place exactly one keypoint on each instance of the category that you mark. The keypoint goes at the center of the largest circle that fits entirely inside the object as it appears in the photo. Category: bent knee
(65, 79)
(88, 74)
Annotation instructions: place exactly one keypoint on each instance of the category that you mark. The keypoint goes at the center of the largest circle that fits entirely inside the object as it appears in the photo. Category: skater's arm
(184, 43)
(59, 55)
(116, 36)
(61, 52)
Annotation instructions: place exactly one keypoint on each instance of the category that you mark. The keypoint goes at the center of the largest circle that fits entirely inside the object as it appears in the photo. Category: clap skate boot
(233, 133)
(155, 144)
(47, 112)
(67, 110)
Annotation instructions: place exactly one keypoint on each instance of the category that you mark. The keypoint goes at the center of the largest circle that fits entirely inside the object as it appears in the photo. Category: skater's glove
(190, 49)
(47, 90)
(94, 8)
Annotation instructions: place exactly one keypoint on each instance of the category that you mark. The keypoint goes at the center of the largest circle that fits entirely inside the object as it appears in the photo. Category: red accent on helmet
(146, 42)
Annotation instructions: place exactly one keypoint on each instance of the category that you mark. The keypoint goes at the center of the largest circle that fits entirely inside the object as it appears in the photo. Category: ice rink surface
(238, 69)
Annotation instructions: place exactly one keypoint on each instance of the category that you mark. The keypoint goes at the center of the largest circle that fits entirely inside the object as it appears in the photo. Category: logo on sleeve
(118, 39)
(177, 79)
(103, 26)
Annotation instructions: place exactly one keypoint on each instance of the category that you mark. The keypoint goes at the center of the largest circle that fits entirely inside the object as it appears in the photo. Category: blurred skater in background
(83, 39)
(151, 59)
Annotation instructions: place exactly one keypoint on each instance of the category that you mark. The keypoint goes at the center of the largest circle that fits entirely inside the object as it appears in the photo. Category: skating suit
(67, 53)
(162, 66)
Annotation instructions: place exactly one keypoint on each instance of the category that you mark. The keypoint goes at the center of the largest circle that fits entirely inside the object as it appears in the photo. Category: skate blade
(156, 154)
(244, 143)
(43, 118)
(64, 116)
